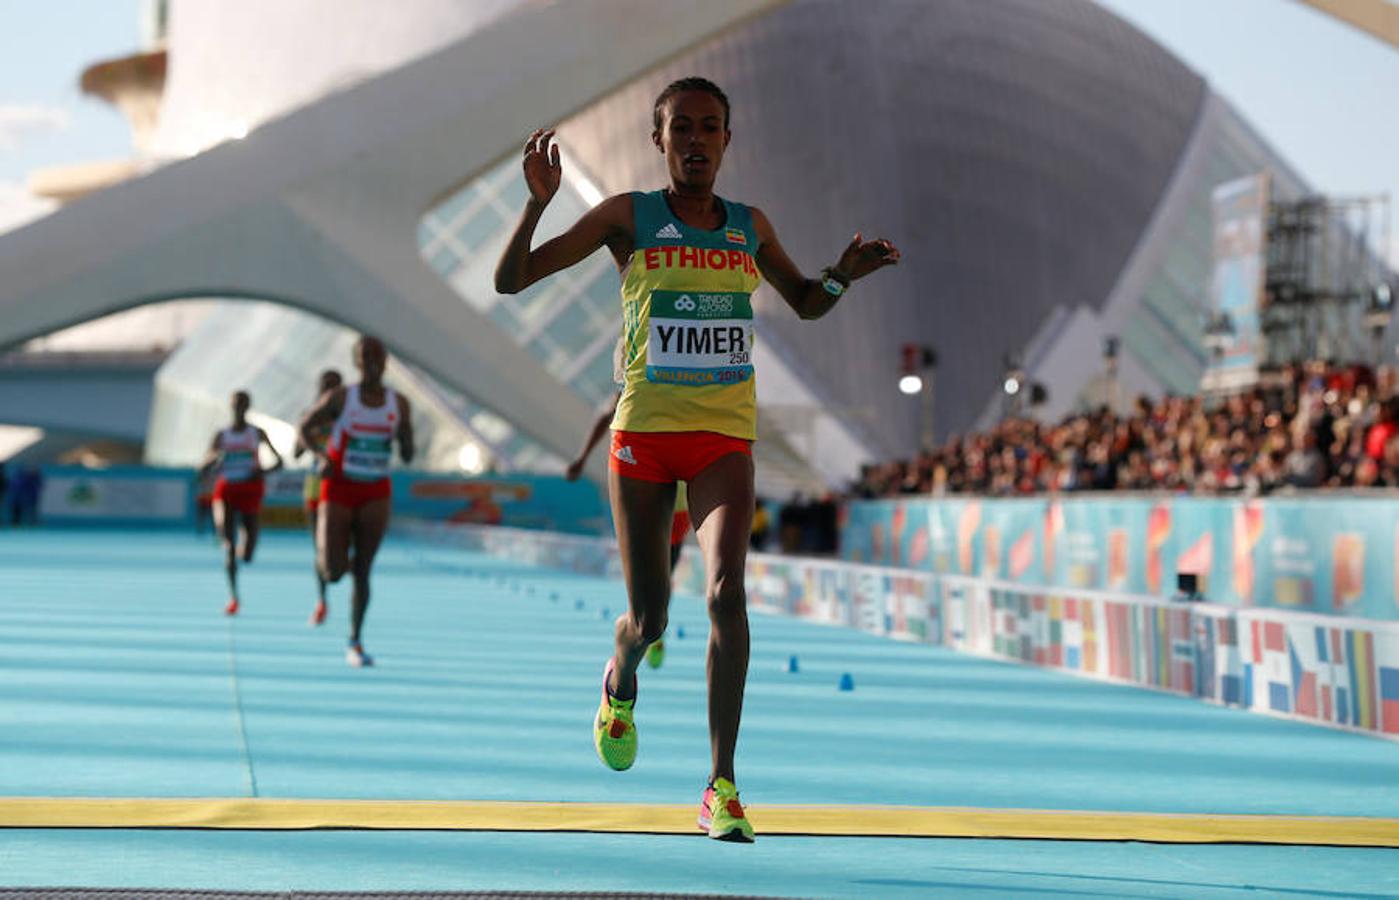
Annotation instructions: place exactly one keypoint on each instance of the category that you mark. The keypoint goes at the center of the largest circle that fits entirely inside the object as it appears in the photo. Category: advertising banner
(1339, 671)
(1236, 286)
(117, 495)
(138, 494)
(1331, 555)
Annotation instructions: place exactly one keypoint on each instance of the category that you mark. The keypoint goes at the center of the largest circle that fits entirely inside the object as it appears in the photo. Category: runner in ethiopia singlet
(688, 324)
(689, 262)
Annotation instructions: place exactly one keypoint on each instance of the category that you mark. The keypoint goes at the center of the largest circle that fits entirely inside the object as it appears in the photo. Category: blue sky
(1321, 92)
(1317, 89)
(44, 119)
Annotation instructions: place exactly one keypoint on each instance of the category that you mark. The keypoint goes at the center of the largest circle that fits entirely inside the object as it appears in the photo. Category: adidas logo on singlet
(624, 454)
(669, 231)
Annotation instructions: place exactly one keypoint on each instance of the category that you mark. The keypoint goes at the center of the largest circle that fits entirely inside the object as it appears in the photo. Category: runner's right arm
(601, 426)
(212, 456)
(320, 418)
(607, 224)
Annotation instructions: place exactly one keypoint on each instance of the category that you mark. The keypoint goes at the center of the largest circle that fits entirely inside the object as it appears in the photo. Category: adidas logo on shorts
(670, 232)
(625, 455)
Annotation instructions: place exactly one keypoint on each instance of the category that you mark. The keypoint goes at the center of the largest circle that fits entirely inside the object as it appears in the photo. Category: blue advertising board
(1333, 554)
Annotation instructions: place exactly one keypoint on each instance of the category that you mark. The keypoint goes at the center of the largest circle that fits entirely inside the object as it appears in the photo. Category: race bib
(699, 338)
(367, 457)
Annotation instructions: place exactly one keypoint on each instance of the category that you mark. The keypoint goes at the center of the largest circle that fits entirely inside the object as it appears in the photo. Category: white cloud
(18, 123)
(18, 206)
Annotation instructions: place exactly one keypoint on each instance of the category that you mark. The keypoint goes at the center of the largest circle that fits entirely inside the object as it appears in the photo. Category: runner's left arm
(264, 439)
(808, 297)
(406, 447)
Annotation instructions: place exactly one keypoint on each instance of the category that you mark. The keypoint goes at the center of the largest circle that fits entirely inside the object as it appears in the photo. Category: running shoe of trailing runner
(614, 732)
(355, 656)
(722, 815)
(318, 614)
(655, 654)
(232, 608)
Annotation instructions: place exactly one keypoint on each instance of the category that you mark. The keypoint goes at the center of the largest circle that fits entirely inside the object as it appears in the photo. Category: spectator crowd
(1308, 426)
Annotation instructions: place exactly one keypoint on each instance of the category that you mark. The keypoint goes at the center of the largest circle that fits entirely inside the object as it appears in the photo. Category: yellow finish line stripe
(835, 821)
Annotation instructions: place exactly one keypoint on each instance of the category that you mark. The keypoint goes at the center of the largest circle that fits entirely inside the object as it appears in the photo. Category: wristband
(832, 283)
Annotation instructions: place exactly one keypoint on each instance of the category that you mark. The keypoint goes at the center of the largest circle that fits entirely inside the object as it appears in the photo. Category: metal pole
(929, 383)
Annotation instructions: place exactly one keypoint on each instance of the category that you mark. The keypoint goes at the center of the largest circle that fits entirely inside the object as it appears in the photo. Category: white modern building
(323, 166)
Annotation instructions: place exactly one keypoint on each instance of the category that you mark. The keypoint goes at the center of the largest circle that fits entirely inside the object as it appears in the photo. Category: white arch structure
(319, 209)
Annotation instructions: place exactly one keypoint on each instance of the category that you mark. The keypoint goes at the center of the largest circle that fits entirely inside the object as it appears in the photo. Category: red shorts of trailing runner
(666, 456)
(354, 494)
(679, 526)
(243, 496)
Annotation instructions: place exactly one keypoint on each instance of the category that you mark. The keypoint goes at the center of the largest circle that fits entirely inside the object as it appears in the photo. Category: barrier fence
(1330, 670)
(146, 496)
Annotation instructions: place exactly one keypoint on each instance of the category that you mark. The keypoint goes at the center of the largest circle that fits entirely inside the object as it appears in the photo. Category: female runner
(364, 420)
(690, 261)
(239, 489)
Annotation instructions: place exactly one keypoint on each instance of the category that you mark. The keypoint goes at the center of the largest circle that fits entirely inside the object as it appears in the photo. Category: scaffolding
(1324, 274)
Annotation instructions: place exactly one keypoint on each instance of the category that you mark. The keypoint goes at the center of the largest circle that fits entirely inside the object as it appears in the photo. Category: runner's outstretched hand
(542, 168)
(863, 257)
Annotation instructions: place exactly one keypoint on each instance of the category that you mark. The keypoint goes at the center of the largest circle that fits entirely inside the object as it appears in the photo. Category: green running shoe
(655, 654)
(614, 732)
(725, 818)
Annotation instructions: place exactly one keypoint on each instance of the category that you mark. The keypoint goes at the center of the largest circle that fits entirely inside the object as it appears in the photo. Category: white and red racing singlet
(362, 441)
(239, 449)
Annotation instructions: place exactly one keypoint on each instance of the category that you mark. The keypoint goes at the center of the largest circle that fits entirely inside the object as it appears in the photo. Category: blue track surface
(121, 678)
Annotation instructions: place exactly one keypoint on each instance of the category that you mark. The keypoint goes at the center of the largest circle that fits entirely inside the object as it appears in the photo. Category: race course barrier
(1338, 671)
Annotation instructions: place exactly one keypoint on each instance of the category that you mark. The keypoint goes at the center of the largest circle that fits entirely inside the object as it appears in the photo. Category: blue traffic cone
(792, 666)
(847, 683)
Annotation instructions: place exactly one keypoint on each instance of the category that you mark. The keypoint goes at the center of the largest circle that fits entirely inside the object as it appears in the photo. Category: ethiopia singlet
(361, 443)
(239, 449)
(687, 313)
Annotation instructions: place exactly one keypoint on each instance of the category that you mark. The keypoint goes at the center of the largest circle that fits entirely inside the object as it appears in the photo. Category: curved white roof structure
(1045, 167)
(320, 209)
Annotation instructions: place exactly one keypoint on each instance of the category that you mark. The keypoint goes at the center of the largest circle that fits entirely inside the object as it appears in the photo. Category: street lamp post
(1012, 384)
(930, 371)
(919, 374)
(1110, 365)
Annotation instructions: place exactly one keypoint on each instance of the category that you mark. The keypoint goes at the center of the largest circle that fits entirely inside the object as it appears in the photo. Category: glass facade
(569, 322)
(1165, 333)
(276, 354)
